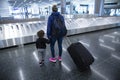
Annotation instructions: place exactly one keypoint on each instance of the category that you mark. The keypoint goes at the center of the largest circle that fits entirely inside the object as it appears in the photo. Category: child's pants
(41, 54)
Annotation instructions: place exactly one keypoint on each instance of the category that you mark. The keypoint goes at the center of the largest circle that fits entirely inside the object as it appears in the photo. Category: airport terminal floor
(21, 63)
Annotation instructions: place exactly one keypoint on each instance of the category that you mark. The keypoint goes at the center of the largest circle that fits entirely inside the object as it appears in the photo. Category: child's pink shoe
(52, 59)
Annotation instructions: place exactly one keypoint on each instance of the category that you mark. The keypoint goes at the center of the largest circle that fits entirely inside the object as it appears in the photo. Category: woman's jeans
(52, 44)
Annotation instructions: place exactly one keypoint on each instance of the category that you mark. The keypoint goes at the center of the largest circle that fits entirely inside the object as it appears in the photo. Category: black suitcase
(80, 55)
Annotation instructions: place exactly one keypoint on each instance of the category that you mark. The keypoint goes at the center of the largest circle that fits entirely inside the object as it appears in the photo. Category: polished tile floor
(21, 63)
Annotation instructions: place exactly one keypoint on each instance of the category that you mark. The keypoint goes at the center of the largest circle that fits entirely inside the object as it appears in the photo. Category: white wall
(4, 8)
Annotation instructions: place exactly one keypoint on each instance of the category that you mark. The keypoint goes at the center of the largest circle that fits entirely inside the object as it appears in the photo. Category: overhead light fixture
(25, 0)
(30, 2)
(40, 1)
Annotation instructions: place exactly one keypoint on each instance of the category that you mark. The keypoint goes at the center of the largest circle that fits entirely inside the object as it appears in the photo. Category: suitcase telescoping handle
(68, 40)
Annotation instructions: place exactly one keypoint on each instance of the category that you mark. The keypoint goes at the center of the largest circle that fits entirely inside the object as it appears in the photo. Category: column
(99, 7)
(71, 7)
(4, 8)
(63, 6)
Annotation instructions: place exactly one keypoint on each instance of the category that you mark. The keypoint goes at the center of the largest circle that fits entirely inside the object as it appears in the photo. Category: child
(41, 45)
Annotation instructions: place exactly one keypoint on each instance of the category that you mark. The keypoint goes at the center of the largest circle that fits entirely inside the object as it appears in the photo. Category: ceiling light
(30, 2)
(25, 0)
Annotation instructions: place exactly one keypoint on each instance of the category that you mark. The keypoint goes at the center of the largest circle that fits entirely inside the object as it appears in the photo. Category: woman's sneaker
(59, 58)
(52, 59)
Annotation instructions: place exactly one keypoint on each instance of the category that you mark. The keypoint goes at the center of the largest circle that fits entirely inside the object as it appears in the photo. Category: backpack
(58, 27)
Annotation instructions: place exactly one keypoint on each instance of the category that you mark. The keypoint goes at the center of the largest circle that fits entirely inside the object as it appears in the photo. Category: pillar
(71, 7)
(99, 7)
(63, 6)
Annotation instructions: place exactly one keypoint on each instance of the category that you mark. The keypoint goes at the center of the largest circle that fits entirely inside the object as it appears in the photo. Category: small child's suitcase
(80, 55)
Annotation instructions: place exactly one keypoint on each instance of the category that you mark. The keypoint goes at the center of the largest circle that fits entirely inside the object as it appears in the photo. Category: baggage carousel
(18, 34)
